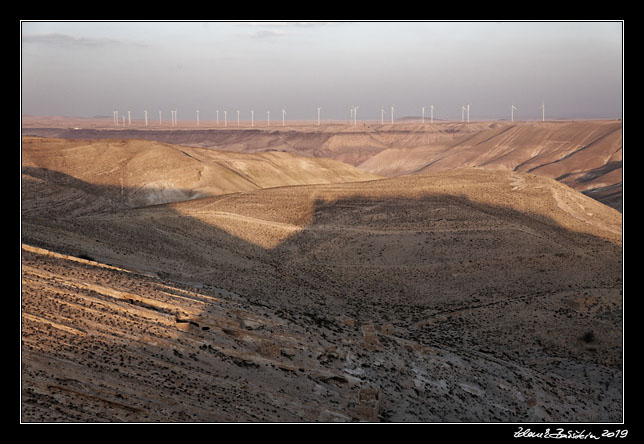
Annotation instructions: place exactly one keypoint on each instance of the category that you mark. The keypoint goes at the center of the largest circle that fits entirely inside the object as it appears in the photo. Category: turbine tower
(382, 116)
(392, 114)
(543, 112)
(512, 110)
(225, 118)
(217, 117)
(283, 113)
(318, 116)
(197, 117)
(129, 118)
(355, 113)
(237, 117)
(431, 107)
(116, 117)
(252, 118)
(268, 118)
(423, 114)
(468, 113)
(146, 117)
(160, 118)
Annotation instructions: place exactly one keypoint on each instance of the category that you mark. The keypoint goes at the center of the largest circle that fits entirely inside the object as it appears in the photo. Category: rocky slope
(459, 296)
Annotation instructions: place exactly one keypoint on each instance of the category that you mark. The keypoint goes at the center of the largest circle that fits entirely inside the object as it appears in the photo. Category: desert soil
(585, 155)
(153, 291)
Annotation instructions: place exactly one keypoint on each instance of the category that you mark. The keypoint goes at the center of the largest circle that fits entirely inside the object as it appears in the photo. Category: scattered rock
(370, 337)
(369, 405)
(269, 349)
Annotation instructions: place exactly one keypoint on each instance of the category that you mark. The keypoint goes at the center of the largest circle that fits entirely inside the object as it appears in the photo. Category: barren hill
(463, 295)
(586, 155)
(84, 175)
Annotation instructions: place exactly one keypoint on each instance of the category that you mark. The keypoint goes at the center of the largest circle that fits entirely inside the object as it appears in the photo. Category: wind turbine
(129, 118)
(146, 117)
(197, 117)
(283, 113)
(160, 118)
(382, 116)
(318, 116)
(252, 118)
(268, 118)
(225, 118)
(237, 117)
(468, 113)
(115, 114)
(217, 117)
(431, 107)
(392, 114)
(355, 114)
(543, 112)
(512, 110)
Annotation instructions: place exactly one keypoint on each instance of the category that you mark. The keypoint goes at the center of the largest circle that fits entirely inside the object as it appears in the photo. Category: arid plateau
(435, 273)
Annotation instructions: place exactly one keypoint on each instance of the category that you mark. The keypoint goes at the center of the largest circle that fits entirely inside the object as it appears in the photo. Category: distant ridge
(569, 151)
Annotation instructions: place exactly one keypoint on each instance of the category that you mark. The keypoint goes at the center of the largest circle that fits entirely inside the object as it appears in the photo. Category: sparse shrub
(86, 257)
(588, 337)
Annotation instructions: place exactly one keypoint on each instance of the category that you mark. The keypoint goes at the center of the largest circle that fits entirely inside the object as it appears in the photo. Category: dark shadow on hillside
(75, 197)
(468, 285)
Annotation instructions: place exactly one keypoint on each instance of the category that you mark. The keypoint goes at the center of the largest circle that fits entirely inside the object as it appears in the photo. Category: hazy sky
(93, 68)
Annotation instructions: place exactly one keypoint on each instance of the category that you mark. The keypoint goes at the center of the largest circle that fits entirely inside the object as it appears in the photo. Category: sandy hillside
(87, 175)
(586, 155)
(459, 296)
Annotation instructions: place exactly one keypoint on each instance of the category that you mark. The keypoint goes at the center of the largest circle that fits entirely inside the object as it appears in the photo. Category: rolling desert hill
(86, 175)
(586, 155)
(151, 291)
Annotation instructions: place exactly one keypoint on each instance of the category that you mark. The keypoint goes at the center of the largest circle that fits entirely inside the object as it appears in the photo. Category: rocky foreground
(462, 296)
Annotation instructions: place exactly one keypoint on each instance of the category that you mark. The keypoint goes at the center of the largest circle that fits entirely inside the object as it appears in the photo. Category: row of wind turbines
(119, 119)
(173, 118)
(464, 109)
